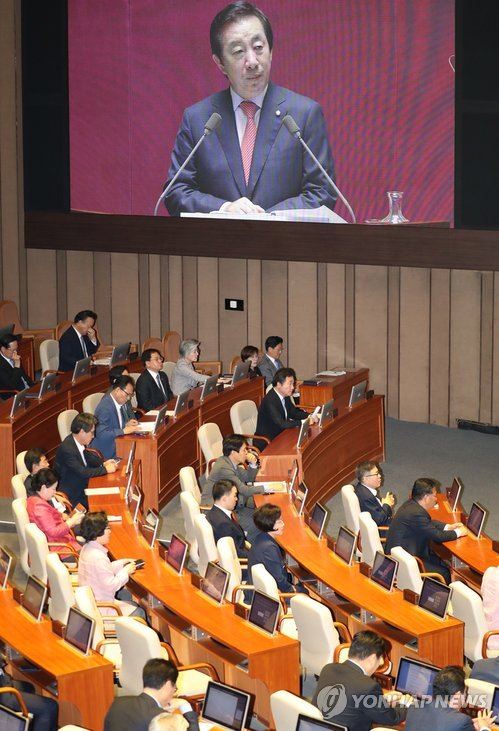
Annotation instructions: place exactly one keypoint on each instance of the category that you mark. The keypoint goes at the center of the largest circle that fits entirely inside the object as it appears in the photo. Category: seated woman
(57, 526)
(96, 570)
(184, 376)
(250, 352)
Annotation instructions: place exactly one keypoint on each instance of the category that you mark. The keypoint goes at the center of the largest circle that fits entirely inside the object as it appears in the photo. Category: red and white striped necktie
(249, 136)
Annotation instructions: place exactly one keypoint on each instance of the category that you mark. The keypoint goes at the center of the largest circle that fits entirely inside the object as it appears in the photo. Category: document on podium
(301, 215)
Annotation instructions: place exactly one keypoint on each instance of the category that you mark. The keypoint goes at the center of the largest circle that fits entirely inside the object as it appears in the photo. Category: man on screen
(251, 164)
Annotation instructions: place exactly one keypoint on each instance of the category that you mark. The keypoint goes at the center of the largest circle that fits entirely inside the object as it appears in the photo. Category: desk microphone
(294, 130)
(209, 127)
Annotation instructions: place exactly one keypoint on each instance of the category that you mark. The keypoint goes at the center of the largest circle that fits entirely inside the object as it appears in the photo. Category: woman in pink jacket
(56, 526)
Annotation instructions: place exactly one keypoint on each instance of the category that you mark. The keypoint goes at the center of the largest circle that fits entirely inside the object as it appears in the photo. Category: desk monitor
(131, 457)
(415, 678)
(13, 720)
(241, 372)
(181, 403)
(454, 493)
(384, 570)
(34, 597)
(82, 368)
(79, 630)
(18, 403)
(134, 500)
(209, 386)
(476, 519)
(305, 723)
(358, 393)
(215, 582)
(119, 354)
(6, 567)
(151, 526)
(177, 553)
(303, 433)
(326, 413)
(225, 706)
(47, 384)
(264, 611)
(160, 419)
(318, 519)
(293, 483)
(7, 330)
(345, 544)
(435, 597)
(495, 703)
(300, 497)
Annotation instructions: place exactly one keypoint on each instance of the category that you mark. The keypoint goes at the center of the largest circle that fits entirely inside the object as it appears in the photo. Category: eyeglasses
(375, 474)
(128, 395)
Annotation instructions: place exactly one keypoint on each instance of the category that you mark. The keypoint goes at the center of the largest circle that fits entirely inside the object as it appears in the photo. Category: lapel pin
(278, 113)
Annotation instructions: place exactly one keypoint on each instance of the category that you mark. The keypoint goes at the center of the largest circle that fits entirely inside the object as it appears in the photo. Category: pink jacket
(50, 522)
(103, 576)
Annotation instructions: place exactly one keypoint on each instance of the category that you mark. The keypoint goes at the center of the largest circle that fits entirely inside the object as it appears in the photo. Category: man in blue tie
(113, 417)
(12, 374)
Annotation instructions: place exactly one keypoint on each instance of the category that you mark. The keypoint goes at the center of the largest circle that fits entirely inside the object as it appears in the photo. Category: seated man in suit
(413, 528)
(152, 387)
(277, 412)
(12, 374)
(75, 463)
(113, 418)
(135, 712)
(443, 711)
(222, 517)
(270, 361)
(361, 701)
(369, 479)
(230, 467)
(78, 341)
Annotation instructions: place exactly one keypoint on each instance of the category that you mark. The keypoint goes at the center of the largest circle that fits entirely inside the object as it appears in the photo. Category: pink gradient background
(379, 68)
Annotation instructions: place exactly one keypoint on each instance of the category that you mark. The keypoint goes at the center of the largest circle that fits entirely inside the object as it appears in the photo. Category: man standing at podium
(251, 164)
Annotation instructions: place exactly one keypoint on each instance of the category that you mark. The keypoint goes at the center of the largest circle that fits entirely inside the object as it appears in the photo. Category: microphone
(294, 131)
(210, 126)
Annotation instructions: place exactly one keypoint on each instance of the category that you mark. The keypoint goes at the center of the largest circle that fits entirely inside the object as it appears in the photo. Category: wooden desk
(337, 387)
(272, 662)
(439, 642)
(84, 684)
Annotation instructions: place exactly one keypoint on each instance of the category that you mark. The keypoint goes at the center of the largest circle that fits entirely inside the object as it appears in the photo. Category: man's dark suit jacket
(440, 719)
(73, 474)
(135, 713)
(266, 550)
(355, 716)
(381, 514)
(223, 526)
(12, 378)
(487, 670)
(271, 419)
(70, 349)
(149, 395)
(413, 529)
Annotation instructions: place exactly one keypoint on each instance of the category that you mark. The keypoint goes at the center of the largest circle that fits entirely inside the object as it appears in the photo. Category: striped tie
(249, 137)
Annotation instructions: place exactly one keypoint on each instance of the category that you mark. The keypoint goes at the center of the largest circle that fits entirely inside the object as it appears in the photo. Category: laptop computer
(13, 720)
(18, 403)
(476, 519)
(120, 354)
(345, 544)
(318, 519)
(300, 497)
(224, 708)
(495, 703)
(47, 384)
(454, 493)
(434, 597)
(326, 413)
(177, 553)
(82, 368)
(79, 630)
(384, 570)
(415, 677)
(209, 386)
(303, 433)
(264, 611)
(241, 372)
(34, 597)
(154, 426)
(215, 581)
(358, 393)
(305, 723)
(151, 526)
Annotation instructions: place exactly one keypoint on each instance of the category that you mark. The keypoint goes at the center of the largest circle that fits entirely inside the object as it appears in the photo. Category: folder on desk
(102, 491)
(272, 486)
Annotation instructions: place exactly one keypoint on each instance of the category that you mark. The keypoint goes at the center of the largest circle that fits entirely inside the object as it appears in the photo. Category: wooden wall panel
(349, 316)
(392, 404)
(486, 346)
(495, 353)
(302, 318)
(125, 297)
(190, 296)
(80, 282)
(440, 346)
(371, 322)
(335, 314)
(208, 329)
(232, 282)
(102, 296)
(414, 344)
(42, 289)
(175, 309)
(275, 302)
(156, 330)
(254, 303)
(321, 317)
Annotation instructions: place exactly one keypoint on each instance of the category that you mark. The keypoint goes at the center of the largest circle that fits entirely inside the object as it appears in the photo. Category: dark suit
(223, 526)
(282, 174)
(149, 395)
(135, 712)
(70, 349)
(355, 715)
(45, 710)
(381, 514)
(487, 670)
(413, 529)
(268, 369)
(266, 550)
(271, 418)
(12, 378)
(440, 719)
(108, 428)
(73, 474)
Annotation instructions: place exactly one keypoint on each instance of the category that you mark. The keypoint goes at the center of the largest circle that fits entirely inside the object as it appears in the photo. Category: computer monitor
(181, 403)
(133, 477)
(82, 368)
(119, 354)
(435, 597)
(13, 720)
(302, 434)
(476, 519)
(134, 501)
(326, 413)
(358, 393)
(318, 519)
(226, 706)
(160, 419)
(47, 384)
(415, 677)
(264, 611)
(241, 372)
(215, 582)
(345, 544)
(79, 630)
(18, 403)
(293, 483)
(151, 526)
(305, 723)
(209, 386)
(384, 570)
(6, 567)
(131, 457)
(177, 553)
(495, 703)
(300, 497)
(34, 597)
(454, 493)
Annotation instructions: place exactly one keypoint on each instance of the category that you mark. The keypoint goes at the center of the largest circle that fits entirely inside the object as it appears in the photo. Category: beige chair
(206, 543)
(91, 402)
(230, 561)
(479, 693)
(243, 417)
(62, 596)
(409, 574)
(64, 421)
(104, 640)
(18, 488)
(49, 356)
(286, 707)
(189, 483)
(21, 520)
(155, 343)
(351, 507)
(210, 440)
(168, 368)
(190, 511)
(317, 632)
(39, 549)
(20, 463)
(467, 606)
(369, 537)
(263, 581)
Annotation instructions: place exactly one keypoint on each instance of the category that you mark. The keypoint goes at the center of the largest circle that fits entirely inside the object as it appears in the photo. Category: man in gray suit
(270, 362)
(230, 467)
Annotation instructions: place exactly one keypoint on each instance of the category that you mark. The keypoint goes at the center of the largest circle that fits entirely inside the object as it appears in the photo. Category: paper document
(331, 373)
(308, 215)
(102, 491)
(271, 486)
(102, 361)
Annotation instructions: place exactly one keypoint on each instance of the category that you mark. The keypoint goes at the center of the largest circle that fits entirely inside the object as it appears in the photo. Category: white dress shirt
(81, 450)
(241, 118)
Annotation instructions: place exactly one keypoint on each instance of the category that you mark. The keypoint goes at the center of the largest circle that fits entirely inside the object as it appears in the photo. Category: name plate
(411, 596)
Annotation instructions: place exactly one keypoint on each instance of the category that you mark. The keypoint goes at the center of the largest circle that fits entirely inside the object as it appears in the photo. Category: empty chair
(369, 536)
(18, 488)
(317, 632)
(64, 422)
(155, 343)
(171, 343)
(210, 440)
(243, 417)
(408, 574)
(91, 402)
(264, 581)
(189, 483)
(38, 551)
(190, 510)
(21, 520)
(49, 356)
(351, 507)
(229, 560)
(104, 640)
(62, 596)
(286, 707)
(20, 463)
(206, 543)
(468, 607)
